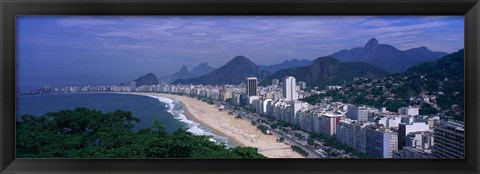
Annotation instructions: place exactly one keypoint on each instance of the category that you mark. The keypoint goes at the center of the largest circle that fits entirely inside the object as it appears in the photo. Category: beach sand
(239, 131)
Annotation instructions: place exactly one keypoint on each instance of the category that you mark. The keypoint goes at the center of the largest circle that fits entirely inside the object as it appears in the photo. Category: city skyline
(371, 132)
(371, 87)
(118, 49)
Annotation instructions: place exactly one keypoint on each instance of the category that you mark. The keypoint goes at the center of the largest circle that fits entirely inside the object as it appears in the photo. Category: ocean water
(146, 108)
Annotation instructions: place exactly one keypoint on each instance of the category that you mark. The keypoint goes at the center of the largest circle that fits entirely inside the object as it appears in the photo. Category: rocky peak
(184, 69)
(372, 43)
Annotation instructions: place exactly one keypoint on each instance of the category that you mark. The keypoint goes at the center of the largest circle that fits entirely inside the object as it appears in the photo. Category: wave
(174, 107)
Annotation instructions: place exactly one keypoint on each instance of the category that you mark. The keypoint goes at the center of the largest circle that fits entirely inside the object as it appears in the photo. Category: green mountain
(329, 71)
(443, 77)
(441, 80)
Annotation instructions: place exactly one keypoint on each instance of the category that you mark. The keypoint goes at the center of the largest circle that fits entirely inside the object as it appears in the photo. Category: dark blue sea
(146, 108)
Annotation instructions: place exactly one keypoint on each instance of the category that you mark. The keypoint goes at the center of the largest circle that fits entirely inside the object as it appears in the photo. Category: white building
(306, 121)
(359, 113)
(404, 129)
(289, 89)
(420, 140)
(352, 133)
(295, 107)
(380, 142)
(327, 123)
(389, 121)
(412, 111)
(250, 99)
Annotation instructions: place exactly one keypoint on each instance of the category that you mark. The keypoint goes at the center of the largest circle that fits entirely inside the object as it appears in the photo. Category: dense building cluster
(375, 131)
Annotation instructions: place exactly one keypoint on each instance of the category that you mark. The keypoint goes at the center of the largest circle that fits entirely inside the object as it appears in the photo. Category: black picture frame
(11, 8)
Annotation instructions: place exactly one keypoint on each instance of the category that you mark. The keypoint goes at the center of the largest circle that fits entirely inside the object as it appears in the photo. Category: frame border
(12, 8)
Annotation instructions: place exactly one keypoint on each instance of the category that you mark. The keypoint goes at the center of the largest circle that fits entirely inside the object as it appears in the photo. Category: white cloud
(307, 36)
(84, 22)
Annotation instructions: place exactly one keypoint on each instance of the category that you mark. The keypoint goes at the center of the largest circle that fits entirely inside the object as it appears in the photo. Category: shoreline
(188, 114)
(238, 131)
(231, 140)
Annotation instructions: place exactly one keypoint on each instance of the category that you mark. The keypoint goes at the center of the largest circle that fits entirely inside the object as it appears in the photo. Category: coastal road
(311, 154)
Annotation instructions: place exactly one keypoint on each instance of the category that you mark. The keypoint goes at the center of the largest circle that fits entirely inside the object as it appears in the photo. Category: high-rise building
(252, 86)
(289, 89)
(295, 106)
(420, 140)
(380, 142)
(327, 123)
(352, 133)
(359, 113)
(307, 120)
(449, 140)
(404, 129)
(275, 82)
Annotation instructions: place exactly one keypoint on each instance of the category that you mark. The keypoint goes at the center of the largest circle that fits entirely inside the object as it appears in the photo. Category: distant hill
(423, 54)
(233, 72)
(285, 64)
(202, 69)
(148, 79)
(183, 73)
(387, 57)
(329, 71)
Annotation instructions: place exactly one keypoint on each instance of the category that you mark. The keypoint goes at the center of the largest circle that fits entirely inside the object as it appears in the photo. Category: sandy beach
(240, 131)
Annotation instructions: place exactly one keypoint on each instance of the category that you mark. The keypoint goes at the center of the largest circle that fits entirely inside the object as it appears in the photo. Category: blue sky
(111, 49)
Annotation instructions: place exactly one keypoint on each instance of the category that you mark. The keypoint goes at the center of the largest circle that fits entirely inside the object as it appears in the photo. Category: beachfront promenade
(240, 131)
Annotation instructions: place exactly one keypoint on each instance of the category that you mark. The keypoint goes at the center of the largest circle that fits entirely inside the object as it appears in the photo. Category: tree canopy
(85, 133)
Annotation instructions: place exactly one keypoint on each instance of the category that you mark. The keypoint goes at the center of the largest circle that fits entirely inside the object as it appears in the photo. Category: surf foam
(175, 108)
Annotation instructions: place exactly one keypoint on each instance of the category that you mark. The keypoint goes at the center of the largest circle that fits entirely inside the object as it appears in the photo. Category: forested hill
(329, 71)
(436, 86)
(85, 133)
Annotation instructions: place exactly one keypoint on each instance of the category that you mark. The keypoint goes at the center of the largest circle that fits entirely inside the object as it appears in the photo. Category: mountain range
(374, 60)
(387, 57)
(233, 72)
(184, 73)
(202, 69)
(329, 71)
(285, 64)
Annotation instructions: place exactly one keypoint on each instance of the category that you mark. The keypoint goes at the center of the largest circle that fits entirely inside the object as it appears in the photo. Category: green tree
(310, 142)
(427, 109)
(85, 133)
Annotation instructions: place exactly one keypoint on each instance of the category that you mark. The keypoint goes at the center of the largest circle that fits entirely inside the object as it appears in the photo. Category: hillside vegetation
(85, 133)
